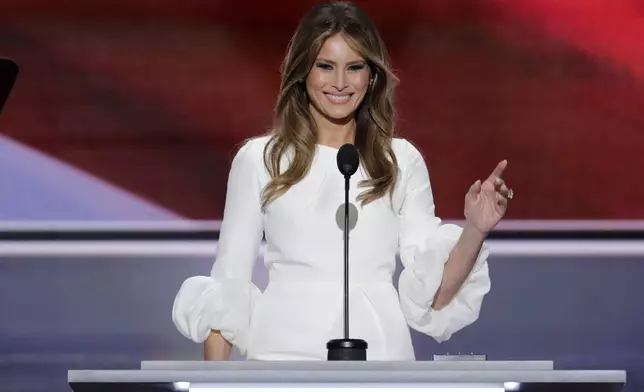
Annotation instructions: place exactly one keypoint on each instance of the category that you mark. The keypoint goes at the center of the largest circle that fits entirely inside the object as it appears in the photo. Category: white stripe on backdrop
(206, 248)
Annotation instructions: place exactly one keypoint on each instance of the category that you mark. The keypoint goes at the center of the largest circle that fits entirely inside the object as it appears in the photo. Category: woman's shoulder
(254, 146)
(406, 152)
(250, 155)
(252, 150)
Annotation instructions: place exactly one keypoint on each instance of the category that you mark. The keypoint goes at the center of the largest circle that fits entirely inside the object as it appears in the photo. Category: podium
(321, 376)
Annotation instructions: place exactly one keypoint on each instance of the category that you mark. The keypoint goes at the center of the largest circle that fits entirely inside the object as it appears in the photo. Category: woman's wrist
(471, 231)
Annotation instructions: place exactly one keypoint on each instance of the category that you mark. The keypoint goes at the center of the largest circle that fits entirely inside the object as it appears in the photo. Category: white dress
(302, 306)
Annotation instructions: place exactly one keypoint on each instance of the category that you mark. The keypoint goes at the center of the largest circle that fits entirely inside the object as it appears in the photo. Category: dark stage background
(155, 96)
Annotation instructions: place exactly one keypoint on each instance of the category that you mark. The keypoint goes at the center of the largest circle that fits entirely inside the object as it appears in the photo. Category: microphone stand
(346, 349)
(346, 256)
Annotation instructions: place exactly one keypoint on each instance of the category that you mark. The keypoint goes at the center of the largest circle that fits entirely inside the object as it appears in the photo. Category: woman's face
(338, 81)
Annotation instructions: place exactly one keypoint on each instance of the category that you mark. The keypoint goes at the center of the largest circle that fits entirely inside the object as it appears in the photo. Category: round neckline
(327, 147)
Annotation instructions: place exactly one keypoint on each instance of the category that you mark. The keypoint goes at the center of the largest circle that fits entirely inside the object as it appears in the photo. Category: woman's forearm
(459, 265)
(216, 347)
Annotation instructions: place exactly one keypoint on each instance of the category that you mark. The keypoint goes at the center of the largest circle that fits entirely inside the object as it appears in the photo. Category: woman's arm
(445, 275)
(485, 205)
(223, 302)
(216, 347)
(459, 265)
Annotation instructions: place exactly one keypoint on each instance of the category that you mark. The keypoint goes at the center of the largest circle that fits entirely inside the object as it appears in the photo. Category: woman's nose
(340, 82)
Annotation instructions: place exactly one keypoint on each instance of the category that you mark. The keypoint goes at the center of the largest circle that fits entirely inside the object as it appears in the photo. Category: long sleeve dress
(302, 306)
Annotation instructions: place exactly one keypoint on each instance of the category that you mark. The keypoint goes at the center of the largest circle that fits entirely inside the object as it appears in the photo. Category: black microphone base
(347, 350)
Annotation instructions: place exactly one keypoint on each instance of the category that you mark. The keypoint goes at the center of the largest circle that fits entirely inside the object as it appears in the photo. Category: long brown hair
(293, 126)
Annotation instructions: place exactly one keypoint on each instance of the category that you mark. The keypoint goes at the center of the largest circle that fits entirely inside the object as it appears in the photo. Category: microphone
(348, 160)
(347, 349)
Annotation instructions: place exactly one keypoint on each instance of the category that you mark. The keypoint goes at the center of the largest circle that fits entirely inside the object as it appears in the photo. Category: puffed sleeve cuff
(420, 279)
(204, 303)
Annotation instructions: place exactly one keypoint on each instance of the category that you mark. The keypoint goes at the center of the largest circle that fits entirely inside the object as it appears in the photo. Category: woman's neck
(335, 133)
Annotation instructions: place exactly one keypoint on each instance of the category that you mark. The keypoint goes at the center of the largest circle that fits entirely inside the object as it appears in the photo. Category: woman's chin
(334, 114)
(340, 116)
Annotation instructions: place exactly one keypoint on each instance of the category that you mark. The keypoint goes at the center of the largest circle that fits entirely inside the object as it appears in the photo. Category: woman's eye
(356, 67)
(323, 66)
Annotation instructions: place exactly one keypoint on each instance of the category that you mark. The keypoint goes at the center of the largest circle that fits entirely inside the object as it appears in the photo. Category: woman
(337, 88)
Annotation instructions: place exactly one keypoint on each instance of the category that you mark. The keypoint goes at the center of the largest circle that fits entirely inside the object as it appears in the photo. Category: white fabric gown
(302, 306)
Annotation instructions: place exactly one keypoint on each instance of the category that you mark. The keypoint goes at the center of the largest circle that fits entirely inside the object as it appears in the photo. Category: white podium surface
(488, 376)
(344, 366)
(324, 376)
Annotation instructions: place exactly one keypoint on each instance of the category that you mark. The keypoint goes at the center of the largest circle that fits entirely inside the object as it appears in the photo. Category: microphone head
(348, 159)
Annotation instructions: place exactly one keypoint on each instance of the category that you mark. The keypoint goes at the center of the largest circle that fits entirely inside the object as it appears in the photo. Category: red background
(154, 96)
